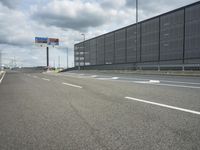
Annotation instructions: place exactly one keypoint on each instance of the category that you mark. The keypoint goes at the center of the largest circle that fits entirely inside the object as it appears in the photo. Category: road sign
(41, 40)
(53, 41)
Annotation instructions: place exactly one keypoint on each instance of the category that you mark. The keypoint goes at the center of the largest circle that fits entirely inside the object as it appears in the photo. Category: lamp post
(136, 20)
(67, 57)
(0, 60)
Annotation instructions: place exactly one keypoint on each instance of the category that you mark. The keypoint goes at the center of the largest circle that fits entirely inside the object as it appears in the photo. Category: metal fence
(170, 39)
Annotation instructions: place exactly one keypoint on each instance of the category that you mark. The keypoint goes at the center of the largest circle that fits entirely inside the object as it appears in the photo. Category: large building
(170, 40)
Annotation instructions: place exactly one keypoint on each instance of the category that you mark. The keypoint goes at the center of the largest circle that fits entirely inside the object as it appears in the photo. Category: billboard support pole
(47, 57)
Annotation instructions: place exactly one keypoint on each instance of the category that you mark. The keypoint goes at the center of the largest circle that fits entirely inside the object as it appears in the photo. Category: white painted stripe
(45, 79)
(94, 76)
(164, 105)
(2, 77)
(103, 78)
(77, 86)
(182, 86)
(180, 82)
(170, 85)
(154, 81)
(115, 78)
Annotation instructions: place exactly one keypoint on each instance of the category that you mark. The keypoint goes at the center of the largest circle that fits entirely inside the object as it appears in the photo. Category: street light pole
(0, 60)
(136, 44)
(67, 57)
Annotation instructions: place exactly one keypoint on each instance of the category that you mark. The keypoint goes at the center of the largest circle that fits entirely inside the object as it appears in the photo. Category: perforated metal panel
(171, 36)
(100, 50)
(158, 39)
(131, 44)
(150, 40)
(109, 48)
(93, 51)
(192, 32)
(120, 46)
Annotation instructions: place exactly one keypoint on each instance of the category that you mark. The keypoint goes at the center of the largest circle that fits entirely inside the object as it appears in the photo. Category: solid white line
(163, 84)
(182, 86)
(45, 79)
(2, 77)
(180, 82)
(72, 85)
(164, 105)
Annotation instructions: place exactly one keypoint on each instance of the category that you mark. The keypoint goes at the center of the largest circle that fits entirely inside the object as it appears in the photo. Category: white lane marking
(115, 78)
(154, 81)
(94, 76)
(180, 82)
(2, 77)
(103, 78)
(142, 82)
(77, 86)
(170, 81)
(182, 86)
(163, 84)
(164, 105)
(35, 76)
(45, 79)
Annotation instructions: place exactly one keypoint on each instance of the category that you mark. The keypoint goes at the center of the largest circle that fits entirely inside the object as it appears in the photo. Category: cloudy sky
(22, 20)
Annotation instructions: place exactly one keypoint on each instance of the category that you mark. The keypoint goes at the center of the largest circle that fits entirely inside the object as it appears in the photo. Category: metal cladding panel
(93, 50)
(131, 44)
(150, 40)
(171, 36)
(120, 46)
(138, 54)
(109, 48)
(100, 50)
(87, 52)
(192, 32)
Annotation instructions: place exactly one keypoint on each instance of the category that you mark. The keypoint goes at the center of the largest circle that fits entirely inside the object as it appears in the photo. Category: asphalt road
(93, 110)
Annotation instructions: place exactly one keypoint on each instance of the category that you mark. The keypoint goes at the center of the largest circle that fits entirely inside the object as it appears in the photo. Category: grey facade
(170, 39)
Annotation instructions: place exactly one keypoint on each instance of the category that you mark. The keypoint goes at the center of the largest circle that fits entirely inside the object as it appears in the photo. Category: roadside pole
(47, 57)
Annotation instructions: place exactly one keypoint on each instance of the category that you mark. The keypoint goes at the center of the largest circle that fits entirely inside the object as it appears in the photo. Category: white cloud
(70, 14)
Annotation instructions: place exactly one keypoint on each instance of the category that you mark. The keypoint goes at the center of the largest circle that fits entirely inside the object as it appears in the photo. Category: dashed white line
(164, 105)
(2, 76)
(35, 76)
(45, 79)
(72, 85)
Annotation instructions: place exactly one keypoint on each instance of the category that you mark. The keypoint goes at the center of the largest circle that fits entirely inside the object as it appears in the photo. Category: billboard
(53, 41)
(41, 40)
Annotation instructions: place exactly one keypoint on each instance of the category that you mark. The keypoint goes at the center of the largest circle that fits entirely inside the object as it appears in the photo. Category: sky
(22, 20)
